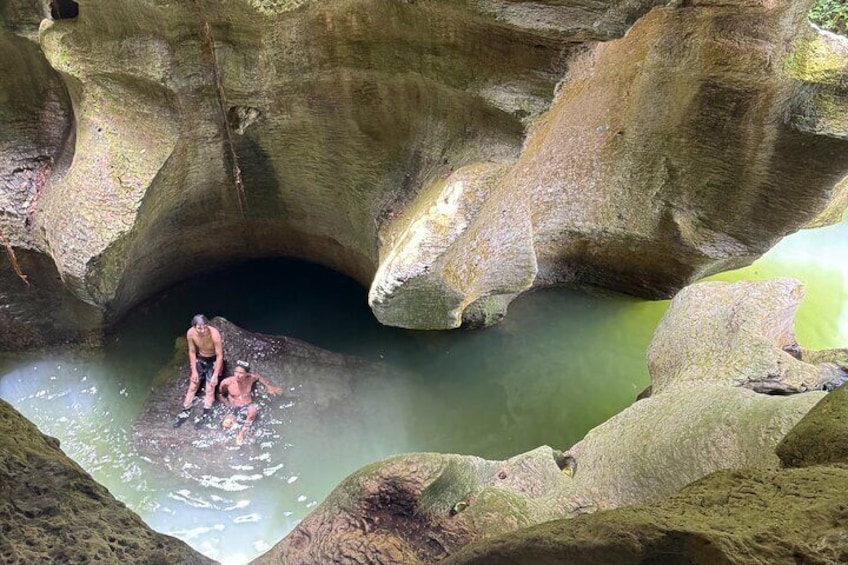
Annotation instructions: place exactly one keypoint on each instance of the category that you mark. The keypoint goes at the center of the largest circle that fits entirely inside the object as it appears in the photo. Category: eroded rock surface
(821, 437)
(734, 516)
(744, 517)
(448, 154)
(702, 107)
(36, 129)
(51, 511)
(739, 334)
(698, 420)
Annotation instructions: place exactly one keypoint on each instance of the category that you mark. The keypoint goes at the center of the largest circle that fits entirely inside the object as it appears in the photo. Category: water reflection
(561, 363)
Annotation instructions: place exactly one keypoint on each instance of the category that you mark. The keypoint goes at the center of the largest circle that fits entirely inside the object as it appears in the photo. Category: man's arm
(271, 388)
(192, 356)
(219, 353)
(224, 392)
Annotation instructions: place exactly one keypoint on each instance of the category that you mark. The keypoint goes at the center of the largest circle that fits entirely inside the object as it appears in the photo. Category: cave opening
(64, 9)
(280, 296)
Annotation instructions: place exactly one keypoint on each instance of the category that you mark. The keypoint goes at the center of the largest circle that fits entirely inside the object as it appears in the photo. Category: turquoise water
(561, 363)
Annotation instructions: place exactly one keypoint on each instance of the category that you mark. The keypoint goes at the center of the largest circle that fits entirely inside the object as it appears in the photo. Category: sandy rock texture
(739, 334)
(696, 423)
(449, 155)
(51, 511)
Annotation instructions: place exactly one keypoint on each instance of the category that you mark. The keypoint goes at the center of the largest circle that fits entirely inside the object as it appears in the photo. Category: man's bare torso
(204, 343)
(239, 393)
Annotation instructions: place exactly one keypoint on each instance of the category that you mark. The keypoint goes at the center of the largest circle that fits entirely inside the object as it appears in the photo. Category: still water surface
(561, 363)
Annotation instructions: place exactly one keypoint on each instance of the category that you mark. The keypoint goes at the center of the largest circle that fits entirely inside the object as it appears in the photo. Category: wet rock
(51, 511)
(41, 311)
(317, 384)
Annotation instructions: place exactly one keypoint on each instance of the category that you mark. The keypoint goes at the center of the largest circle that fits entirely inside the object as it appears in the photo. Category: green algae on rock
(821, 437)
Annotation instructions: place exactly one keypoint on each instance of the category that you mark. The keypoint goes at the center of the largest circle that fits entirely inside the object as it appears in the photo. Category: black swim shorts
(205, 367)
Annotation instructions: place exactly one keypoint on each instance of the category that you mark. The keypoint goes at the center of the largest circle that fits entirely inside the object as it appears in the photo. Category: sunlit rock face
(51, 511)
(741, 334)
(687, 147)
(447, 154)
(702, 417)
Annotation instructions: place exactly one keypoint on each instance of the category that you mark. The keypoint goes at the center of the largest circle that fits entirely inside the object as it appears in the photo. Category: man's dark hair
(199, 320)
(243, 364)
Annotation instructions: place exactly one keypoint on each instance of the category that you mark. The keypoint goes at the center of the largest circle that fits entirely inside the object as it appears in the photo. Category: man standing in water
(206, 359)
(237, 394)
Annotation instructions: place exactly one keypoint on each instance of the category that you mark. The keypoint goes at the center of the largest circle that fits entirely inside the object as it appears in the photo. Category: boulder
(821, 437)
(739, 334)
(51, 511)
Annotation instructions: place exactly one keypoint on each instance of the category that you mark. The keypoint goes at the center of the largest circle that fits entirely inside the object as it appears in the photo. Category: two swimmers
(236, 391)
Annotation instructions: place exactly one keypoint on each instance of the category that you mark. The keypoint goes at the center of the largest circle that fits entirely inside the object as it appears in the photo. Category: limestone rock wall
(447, 154)
(36, 141)
(683, 148)
(740, 516)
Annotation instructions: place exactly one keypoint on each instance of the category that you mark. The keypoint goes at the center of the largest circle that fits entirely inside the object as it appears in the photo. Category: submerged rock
(51, 511)
(699, 420)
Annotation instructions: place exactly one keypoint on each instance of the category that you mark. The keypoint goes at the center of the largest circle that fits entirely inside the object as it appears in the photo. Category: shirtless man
(206, 359)
(237, 393)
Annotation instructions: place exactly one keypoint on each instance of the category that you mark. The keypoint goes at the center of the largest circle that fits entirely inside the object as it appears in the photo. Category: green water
(561, 363)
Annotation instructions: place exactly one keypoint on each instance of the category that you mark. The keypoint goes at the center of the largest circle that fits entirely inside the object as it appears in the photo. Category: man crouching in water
(206, 359)
(237, 393)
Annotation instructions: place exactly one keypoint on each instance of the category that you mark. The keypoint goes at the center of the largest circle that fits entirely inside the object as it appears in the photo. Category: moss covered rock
(51, 511)
(740, 517)
(821, 437)
(315, 382)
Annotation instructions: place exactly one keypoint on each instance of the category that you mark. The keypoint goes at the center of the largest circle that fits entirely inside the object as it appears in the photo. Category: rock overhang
(207, 134)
